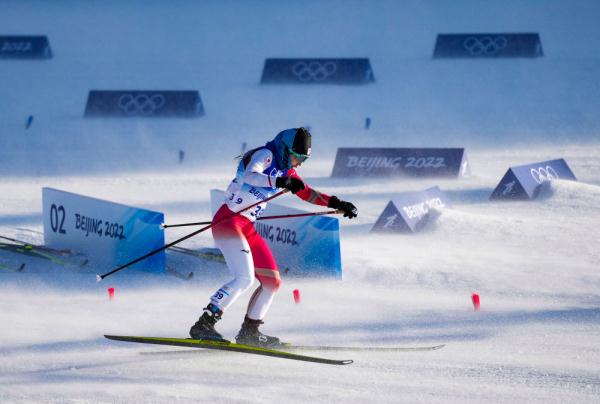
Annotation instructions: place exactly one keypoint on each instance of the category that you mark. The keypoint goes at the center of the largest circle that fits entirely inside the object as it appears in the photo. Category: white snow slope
(534, 264)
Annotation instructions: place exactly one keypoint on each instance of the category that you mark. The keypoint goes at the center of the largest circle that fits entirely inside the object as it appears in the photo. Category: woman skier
(260, 174)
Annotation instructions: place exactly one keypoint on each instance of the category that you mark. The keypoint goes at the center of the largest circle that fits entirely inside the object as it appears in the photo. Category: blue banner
(518, 45)
(25, 47)
(302, 246)
(159, 103)
(411, 211)
(317, 71)
(388, 162)
(525, 182)
(111, 234)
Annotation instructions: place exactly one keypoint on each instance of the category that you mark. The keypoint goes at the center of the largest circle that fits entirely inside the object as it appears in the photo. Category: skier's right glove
(292, 183)
(347, 208)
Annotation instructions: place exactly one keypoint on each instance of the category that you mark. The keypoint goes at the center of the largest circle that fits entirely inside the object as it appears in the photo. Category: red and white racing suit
(246, 253)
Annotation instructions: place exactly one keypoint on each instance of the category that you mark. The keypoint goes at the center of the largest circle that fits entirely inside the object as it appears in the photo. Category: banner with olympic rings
(515, 45)
(317, 71)
(526, 181)
(143, 104)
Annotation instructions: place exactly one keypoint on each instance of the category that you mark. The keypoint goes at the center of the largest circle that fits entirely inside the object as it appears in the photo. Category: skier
(260, 173)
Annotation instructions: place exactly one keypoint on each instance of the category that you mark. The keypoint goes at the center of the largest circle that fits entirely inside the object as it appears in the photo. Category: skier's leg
(268, 275)
(265, 269)
(238, 257)
(229, 238)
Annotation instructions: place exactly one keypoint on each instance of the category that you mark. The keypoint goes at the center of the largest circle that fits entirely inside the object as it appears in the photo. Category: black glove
(291, 183)
(348, 208)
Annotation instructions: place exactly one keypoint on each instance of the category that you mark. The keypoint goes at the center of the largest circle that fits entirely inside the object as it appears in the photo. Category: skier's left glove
(347, 208)
(292, 183)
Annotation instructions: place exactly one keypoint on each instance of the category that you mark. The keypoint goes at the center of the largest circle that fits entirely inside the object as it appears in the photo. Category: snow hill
(534, 264)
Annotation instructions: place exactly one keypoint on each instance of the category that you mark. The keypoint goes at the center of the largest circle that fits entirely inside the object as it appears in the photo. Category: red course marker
(297, 297)
(475, 299)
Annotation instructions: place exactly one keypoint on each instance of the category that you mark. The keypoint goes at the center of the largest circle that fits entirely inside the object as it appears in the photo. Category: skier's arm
(253, 175)
(319, 198)
(308, 194)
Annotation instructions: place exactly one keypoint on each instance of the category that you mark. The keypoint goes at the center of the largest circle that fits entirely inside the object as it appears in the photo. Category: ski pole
(100, 277)
(328, 212)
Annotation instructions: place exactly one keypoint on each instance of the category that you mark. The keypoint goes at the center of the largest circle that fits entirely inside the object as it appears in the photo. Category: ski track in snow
(534, 263)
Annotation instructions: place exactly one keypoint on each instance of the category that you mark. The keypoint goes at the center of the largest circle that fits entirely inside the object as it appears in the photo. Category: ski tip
(118, 337)
(98, 278)
(346, 362)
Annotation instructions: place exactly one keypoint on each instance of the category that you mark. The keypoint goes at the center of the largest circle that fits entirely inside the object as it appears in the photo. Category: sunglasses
(299, 157)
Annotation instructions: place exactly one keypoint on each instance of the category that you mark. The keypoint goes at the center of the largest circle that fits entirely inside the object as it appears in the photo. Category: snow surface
(534, 264)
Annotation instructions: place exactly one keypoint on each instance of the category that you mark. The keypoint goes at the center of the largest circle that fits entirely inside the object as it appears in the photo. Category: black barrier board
(151, 103)
(317, 71)
(401, 162)
(25, 47)
(524, 45)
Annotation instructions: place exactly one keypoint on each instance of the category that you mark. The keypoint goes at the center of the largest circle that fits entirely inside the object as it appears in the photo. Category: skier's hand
(291, 183)
(347, 208)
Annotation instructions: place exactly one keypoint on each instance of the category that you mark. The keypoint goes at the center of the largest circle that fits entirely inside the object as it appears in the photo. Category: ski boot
(250, 335)
(205, 326)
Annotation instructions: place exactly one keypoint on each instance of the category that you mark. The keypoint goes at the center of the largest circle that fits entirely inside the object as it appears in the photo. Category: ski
(291, 347)
(210, 254)
(21, 249)
(177, 274)
(9, 268)
(33, 251)
(227, 346)
(65, 253)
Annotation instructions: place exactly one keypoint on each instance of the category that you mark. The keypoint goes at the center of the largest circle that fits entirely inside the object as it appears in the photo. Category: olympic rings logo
(141, 104)
(313, 71)
(485, 45)
(542, 174)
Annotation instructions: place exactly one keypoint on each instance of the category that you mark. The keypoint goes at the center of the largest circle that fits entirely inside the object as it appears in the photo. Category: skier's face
(296, 162)
(297, 159)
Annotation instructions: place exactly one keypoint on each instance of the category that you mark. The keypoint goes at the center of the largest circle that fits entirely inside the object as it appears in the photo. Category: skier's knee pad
(276, 284)
(270, 283)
